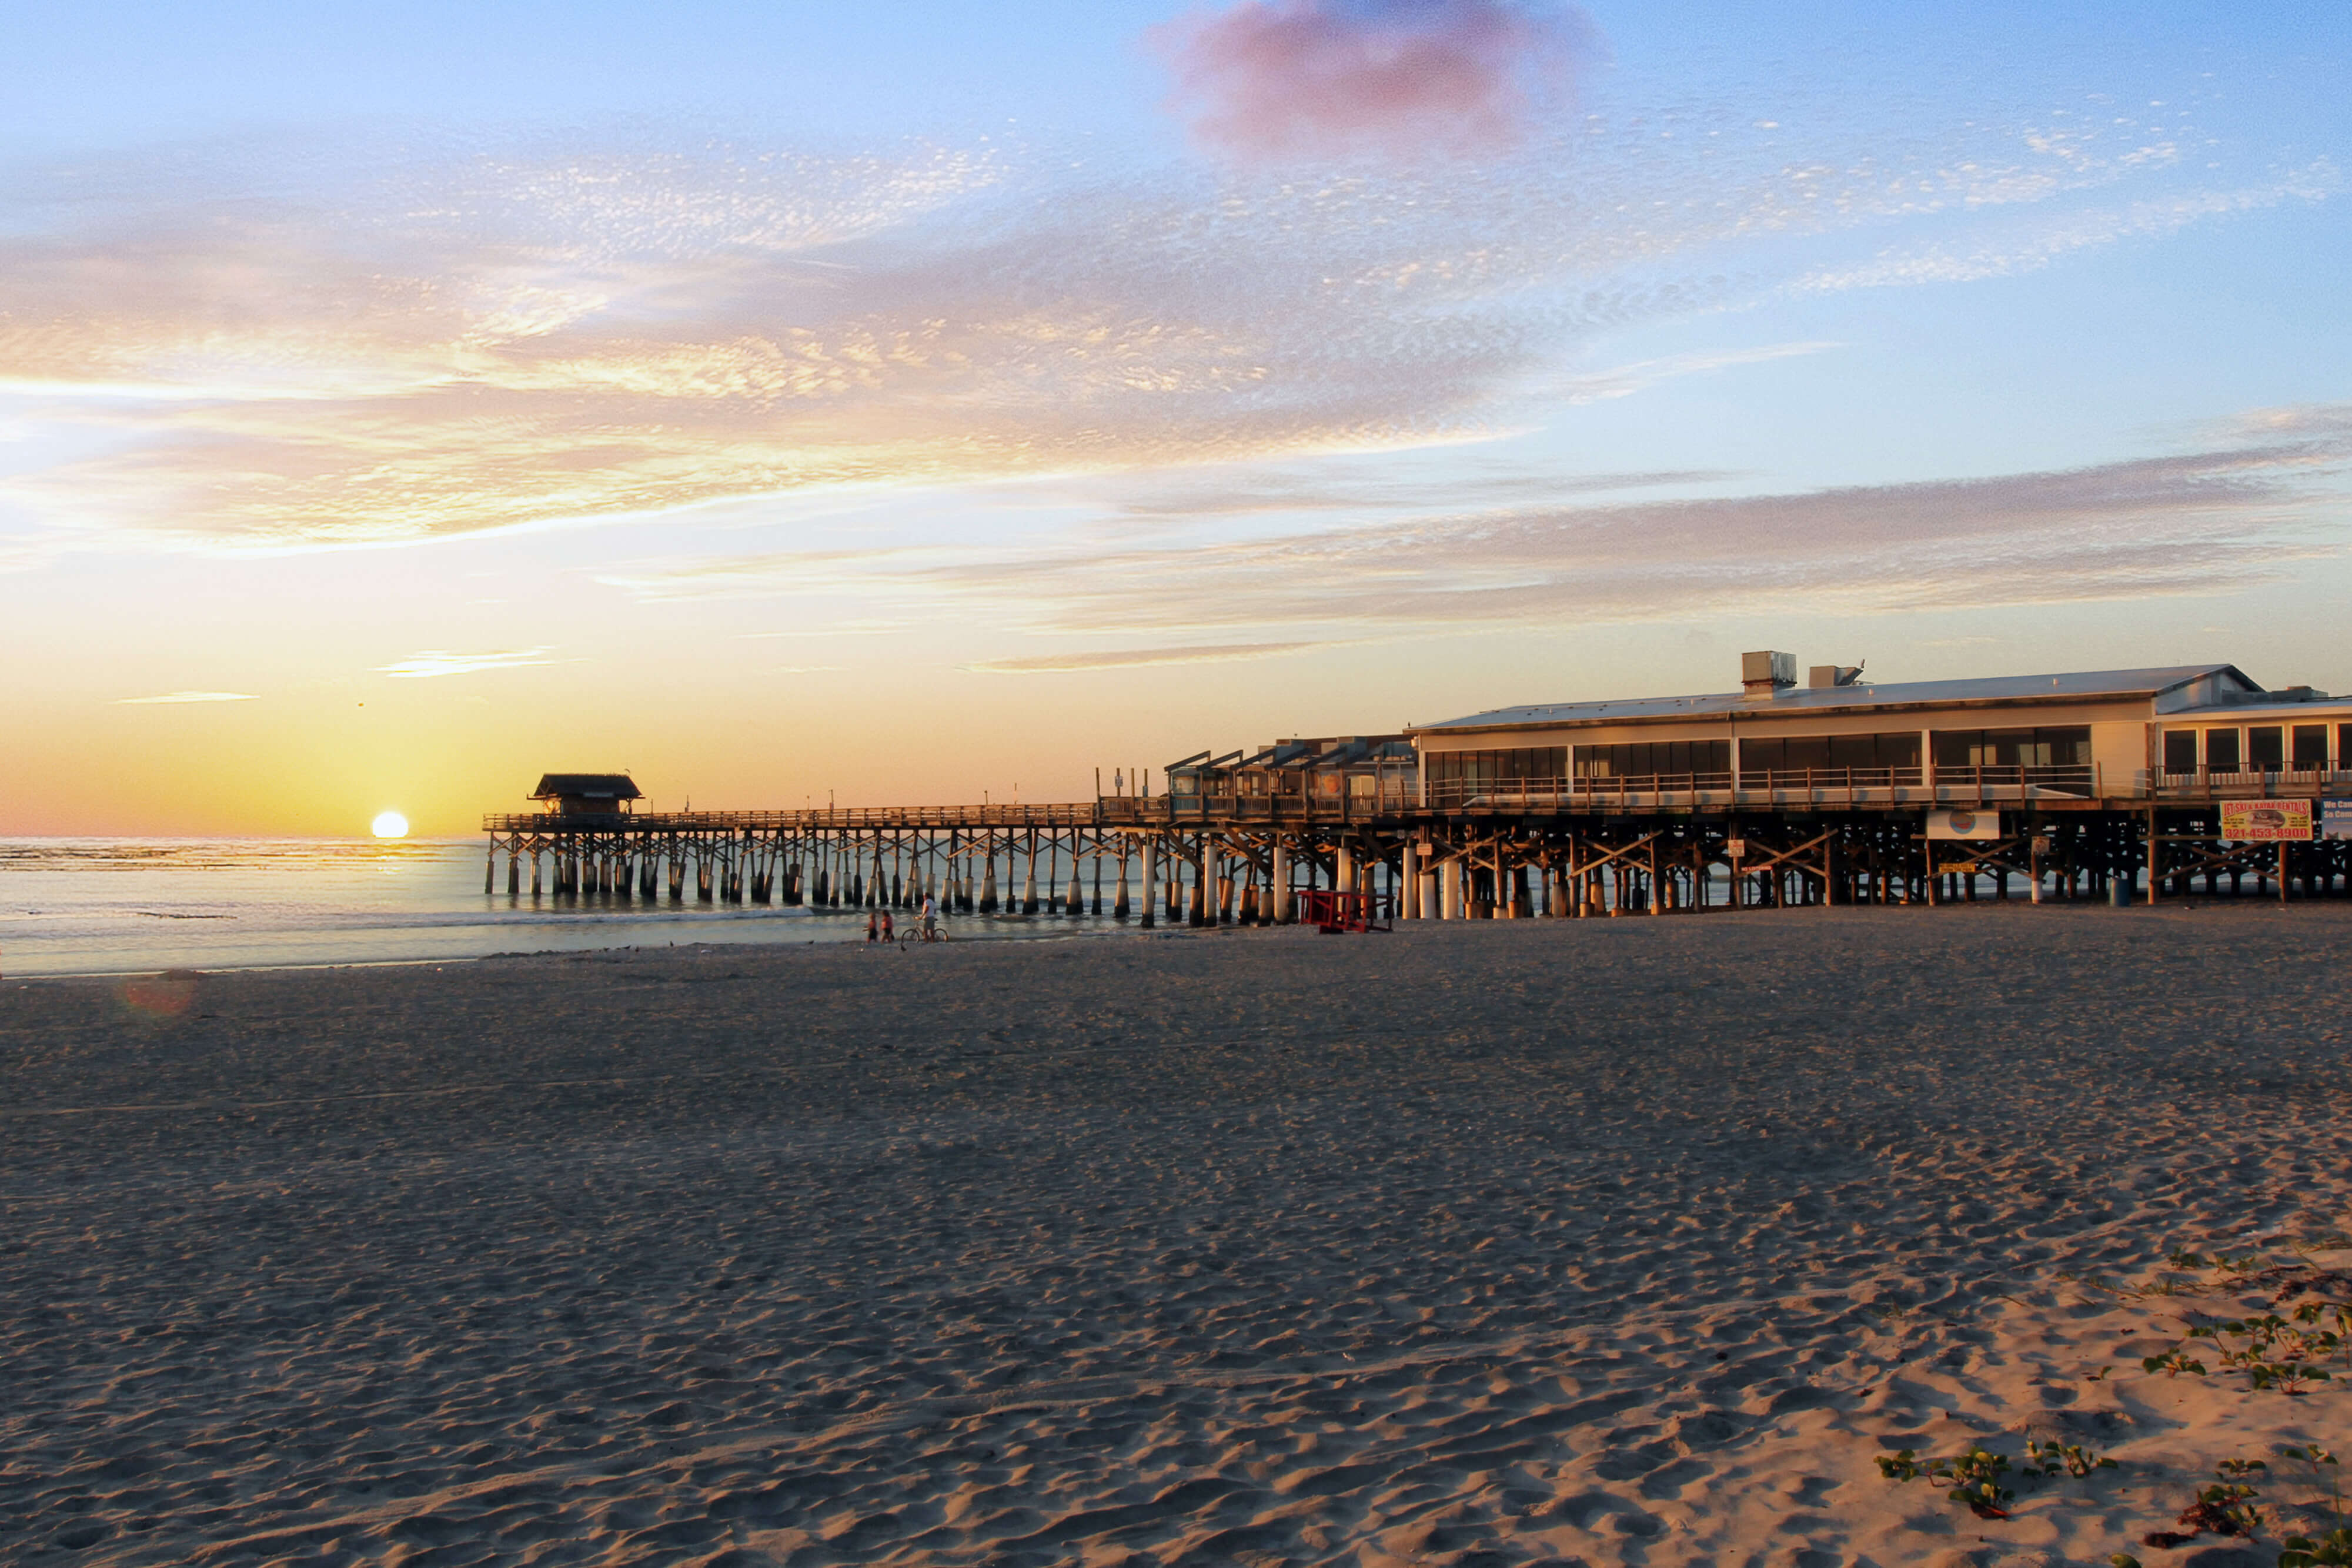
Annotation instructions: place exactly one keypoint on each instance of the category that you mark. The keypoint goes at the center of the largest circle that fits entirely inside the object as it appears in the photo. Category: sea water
(115, 906)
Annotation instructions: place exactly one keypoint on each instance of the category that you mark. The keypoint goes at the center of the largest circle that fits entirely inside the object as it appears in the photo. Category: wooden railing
(1074, 814)
(1779, 786)
(1396, 796)
(1392, 798)
(2203, 784)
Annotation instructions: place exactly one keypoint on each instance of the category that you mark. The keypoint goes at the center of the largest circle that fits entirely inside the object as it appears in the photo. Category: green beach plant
(1902, 1465)
(2063, 1459)
(1973, 1477)
(2271, 1352)
(2332, 1549)
(2314, 1456)
(2231, 1505)
(2338, 1338)
(2172, 1364)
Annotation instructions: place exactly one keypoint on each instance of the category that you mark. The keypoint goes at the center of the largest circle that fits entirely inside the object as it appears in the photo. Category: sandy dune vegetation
(1628, 1241)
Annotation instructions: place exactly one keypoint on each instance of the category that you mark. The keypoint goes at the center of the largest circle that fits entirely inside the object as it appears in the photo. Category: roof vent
(1767, 673)
(1821, 675)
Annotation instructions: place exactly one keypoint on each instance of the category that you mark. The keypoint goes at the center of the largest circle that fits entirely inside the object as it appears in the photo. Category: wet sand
(1613, 1241)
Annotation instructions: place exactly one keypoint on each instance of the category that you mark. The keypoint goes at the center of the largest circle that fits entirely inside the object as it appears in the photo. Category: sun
(390, 825)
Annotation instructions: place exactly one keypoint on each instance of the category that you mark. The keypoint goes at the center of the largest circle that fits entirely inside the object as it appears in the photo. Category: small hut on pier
(586, 794)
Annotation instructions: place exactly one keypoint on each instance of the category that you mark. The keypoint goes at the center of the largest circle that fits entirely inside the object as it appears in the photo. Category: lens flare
(390, 825)
(163, 996)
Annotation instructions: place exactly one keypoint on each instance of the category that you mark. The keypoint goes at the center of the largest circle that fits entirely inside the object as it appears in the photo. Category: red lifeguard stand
(1335, 913)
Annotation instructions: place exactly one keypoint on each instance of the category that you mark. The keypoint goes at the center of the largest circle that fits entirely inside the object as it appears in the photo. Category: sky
(904, 404)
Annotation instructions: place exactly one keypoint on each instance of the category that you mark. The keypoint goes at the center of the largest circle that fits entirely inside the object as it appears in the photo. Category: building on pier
(2118, 782)
(1842, 740)
(1362, 772)
(586, 794)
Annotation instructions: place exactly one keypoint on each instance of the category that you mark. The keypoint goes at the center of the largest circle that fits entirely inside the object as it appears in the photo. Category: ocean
(128, 906)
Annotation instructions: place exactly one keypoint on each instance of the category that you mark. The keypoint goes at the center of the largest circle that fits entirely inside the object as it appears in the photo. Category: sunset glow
(940, 424)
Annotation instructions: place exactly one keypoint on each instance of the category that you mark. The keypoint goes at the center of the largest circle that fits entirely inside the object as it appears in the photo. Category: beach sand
(1609, 1242)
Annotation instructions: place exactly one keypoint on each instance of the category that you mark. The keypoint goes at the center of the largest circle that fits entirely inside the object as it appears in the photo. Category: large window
(2310, 746)
(2013, 747)
(2266, 747)
(1649, 758)
(1794, 753)
(1497, 767)
(2222, 751)
(2181, 751)
(2344, 749)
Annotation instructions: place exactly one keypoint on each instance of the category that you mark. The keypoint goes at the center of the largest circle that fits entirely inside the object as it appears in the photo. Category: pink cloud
(1273, 78)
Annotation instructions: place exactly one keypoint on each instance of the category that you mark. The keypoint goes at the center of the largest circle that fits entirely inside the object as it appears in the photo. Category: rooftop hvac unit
(1766, 673)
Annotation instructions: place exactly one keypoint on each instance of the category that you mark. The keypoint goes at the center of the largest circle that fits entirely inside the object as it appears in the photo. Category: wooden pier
(2123, 786)
(1216, 861)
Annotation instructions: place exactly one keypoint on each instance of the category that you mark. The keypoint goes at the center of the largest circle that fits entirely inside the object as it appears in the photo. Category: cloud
(392, 382)
(2028, 247)
(1625, 380)
(433, 663)
(190, 697)
(1404, 77)
(1238, 492)
(842, 629)
(1128, 658)
(359, 350)
(2214, 520)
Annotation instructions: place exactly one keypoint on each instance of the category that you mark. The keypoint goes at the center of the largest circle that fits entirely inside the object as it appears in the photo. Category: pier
(2126, 787)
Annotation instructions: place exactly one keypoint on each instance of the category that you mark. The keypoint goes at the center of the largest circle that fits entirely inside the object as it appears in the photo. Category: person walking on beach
(889, 932)
(873, 932)
(931, 918)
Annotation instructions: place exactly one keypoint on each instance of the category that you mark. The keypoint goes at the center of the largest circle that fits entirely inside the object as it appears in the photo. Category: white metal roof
(2091, 685)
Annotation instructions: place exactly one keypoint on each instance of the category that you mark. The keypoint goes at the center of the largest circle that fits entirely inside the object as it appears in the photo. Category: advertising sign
(2337, 824)
(2255, 821)
(1961, 824)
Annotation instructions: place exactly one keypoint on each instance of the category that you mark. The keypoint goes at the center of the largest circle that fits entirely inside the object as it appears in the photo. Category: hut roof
(586, 787)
